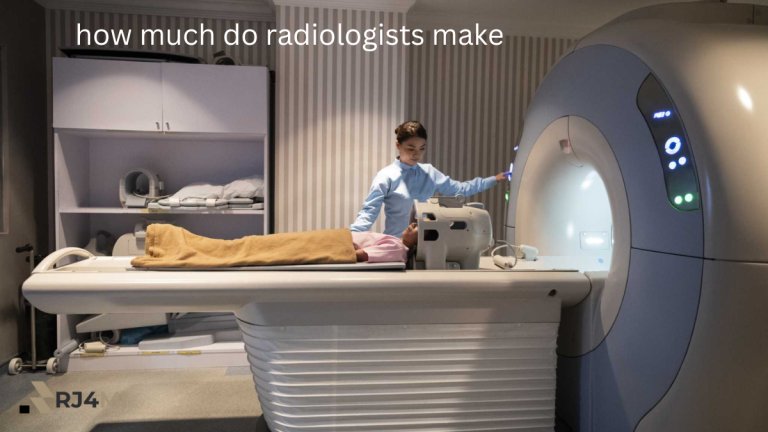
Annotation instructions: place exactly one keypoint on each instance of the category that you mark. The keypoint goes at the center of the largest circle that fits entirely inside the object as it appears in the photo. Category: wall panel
(337, 108)
(472, 101)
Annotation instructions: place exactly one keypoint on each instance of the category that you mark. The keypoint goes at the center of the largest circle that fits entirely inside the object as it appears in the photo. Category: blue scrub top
(397, 185)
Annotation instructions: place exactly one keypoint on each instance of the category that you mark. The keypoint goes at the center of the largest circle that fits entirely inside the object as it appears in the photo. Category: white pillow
(199, 190)
(248, 187)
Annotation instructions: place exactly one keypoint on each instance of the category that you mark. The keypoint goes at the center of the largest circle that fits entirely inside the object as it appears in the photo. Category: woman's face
(412, 150)
(411, 235)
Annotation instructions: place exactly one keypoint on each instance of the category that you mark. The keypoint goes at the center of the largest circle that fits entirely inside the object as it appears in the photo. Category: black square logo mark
(23, 409)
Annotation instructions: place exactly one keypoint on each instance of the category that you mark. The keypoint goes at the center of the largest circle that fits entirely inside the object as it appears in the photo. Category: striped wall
(472, 101)
(62, 26)
(3, 149)
(337, 108)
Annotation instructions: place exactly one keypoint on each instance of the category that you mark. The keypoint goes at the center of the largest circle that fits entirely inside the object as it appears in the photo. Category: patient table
(380, 350)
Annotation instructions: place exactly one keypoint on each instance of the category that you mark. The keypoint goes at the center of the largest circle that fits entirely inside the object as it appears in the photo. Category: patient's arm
(362, 256)
(389, 249)
(378, 248)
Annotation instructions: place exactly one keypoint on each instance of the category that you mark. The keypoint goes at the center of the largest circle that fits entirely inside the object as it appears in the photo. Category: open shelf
(160, 136)
(88, 169)
(185, 123)
(121, 210)
(220, 354)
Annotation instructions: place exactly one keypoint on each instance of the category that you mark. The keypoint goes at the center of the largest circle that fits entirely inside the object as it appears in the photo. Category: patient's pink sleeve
(380, 247)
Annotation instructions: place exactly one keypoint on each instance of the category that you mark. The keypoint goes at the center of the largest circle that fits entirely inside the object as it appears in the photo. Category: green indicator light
(688, 197)
(678, 200)
(506, 196)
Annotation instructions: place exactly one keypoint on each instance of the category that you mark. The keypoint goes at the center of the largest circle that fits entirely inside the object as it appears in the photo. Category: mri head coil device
(451, 235)
(641, 168)
(139, 187)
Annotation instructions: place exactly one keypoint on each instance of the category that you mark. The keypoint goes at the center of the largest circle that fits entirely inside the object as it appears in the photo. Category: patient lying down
(170, 246)
(374, 247)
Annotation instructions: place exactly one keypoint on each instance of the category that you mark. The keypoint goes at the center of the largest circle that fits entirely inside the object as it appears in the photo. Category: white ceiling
(556, 18)
(587, 12)
(559, 18)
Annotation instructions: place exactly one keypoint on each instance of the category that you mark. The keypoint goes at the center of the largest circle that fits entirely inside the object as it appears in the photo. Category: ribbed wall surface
(486, 377)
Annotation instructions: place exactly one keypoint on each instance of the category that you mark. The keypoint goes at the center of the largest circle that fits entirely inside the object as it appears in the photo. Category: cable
(100, 339)
(150, 198)
(506, 245)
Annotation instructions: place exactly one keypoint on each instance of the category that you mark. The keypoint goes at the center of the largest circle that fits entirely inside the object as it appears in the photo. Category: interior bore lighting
(688, 197)
(672, 165)
(682, 160)
(678, 200)
(744, 98)
(673, 145)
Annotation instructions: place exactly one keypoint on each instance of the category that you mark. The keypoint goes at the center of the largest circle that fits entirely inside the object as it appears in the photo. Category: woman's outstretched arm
(447, 186)
(372, 205)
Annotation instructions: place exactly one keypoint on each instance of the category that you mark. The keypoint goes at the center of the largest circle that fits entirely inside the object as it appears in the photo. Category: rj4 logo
(75, 399)
(62, 400)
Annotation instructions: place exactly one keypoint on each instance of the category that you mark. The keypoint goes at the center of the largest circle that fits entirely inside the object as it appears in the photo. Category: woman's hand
(503, 176)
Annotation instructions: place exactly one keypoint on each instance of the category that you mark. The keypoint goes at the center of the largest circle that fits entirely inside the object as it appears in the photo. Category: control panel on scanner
(672, 144)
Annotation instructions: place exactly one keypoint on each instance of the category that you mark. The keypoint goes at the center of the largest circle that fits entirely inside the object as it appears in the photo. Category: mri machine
(640, 177)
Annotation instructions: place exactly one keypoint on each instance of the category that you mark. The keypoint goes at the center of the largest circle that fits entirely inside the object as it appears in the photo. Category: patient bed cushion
(169, 246)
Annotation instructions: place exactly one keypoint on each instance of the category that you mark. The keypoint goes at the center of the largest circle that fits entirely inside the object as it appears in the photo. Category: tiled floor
(215, 399)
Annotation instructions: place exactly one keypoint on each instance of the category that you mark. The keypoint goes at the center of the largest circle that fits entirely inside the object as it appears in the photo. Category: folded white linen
(248, 187)
(199, 190)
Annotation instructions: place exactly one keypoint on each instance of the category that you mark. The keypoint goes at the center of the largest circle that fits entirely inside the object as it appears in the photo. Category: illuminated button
(516, 147)
(672, 165)
(682, 160)
(678, 200)
(688, 197)
(673, 145)
(668, 113)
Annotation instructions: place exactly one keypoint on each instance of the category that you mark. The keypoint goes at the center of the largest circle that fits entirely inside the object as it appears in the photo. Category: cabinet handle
(167, 126)
(158, 125)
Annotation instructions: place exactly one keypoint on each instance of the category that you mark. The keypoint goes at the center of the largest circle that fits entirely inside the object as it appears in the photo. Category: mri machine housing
(664, 335)
(673, 340)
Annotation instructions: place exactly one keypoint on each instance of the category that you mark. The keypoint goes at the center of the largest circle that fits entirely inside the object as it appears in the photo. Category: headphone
(130, 193)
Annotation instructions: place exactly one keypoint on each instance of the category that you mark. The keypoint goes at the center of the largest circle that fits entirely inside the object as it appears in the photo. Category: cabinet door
(107, 95)
(215, 98)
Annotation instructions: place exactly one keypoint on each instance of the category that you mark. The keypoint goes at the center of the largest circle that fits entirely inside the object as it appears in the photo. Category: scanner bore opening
(573, 207)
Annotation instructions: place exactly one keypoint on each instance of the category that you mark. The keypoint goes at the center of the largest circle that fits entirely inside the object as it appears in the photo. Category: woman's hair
(409, 130)
(410, 262)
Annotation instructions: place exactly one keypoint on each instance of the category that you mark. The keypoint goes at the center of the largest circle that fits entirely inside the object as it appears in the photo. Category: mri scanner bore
(645, 310)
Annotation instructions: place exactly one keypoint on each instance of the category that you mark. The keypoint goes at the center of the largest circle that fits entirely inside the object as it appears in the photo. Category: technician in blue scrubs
(397, 185)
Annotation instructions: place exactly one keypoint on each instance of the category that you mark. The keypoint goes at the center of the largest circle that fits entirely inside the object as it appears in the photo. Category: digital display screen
(672, 144)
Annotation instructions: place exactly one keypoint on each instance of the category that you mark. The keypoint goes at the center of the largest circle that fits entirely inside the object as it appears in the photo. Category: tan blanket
(171, 246)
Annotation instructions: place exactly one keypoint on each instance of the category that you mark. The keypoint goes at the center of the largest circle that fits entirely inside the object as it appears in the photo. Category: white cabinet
(104, 94)
(214, 99)
(160, 97)
(186, 123)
